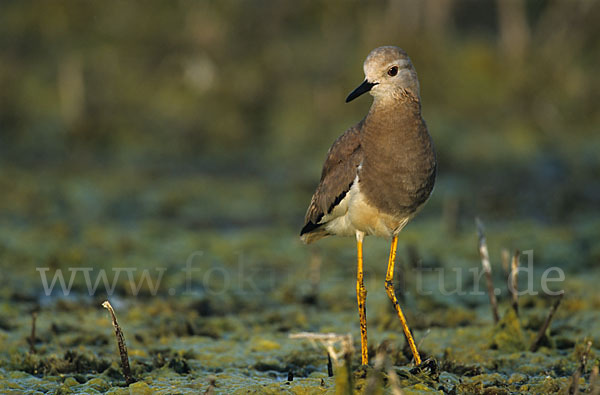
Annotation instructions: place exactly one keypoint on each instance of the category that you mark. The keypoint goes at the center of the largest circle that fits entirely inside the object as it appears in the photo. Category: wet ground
(208, 280)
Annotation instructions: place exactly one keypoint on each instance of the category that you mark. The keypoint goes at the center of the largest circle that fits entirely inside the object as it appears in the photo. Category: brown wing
(339, 172)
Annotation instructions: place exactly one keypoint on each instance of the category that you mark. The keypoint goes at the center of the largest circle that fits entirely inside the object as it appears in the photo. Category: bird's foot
(430, 367)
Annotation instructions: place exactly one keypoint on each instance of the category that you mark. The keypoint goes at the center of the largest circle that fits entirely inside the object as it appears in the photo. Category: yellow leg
(389, 287)
(361, 296)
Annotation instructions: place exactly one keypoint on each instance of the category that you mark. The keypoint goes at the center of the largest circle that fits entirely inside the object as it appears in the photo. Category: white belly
(354, 213)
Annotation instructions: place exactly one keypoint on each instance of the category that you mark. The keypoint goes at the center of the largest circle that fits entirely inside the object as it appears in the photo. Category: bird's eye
(393, 71)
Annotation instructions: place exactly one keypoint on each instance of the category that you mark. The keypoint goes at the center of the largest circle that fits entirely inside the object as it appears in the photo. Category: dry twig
(584, 356)
(514, 277)
(32, 336)
(121, 344)
(574, 388)
(427, 332)
(546, 324)
(329, 341)
(487, 268)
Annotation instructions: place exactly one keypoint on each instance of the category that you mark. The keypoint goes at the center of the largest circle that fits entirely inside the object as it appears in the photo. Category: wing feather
(337, 176)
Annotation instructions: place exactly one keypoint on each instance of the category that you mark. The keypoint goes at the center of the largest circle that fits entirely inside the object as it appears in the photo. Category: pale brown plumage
(387, 157)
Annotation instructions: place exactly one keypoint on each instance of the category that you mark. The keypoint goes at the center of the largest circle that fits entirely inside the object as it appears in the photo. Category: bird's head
(389, 74)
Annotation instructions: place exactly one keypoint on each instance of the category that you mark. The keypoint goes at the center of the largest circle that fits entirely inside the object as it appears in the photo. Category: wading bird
(378, 174)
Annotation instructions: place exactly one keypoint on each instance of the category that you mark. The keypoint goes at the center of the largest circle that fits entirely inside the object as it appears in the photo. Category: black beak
(362, 88)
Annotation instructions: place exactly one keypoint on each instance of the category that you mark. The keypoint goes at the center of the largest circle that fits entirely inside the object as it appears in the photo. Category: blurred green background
(254, 92)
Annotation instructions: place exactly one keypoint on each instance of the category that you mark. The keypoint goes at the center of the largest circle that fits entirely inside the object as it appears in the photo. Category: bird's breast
(398, 171)
(356, 213)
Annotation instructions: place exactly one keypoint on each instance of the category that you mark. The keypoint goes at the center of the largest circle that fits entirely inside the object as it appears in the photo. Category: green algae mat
(209, 306)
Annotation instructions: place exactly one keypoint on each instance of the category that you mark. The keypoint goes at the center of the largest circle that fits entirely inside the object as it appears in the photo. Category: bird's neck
(393, 124)
(402, 100)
